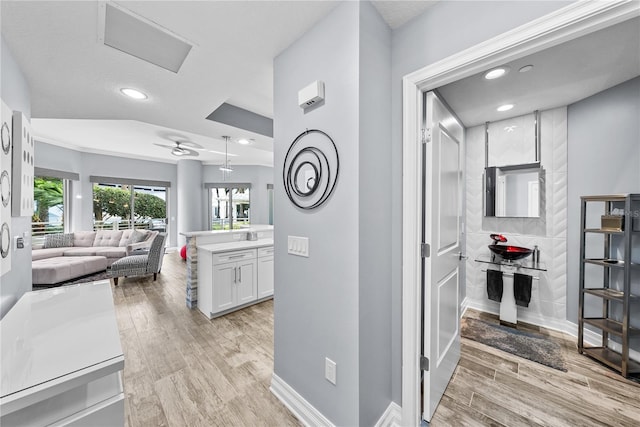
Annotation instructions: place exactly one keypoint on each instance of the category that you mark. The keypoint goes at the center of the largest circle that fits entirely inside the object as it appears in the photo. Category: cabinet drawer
(233, 256)
(265, 251)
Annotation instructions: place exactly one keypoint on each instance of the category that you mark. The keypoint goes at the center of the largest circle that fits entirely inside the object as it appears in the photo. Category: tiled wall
(549, 232)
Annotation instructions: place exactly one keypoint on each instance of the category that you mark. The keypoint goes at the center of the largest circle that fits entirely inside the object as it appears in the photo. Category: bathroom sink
(509, 252)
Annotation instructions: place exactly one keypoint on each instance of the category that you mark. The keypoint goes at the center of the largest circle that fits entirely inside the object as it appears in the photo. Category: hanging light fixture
(225, 168)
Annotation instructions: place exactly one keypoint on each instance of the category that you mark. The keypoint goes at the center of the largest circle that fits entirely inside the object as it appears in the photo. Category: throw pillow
(137, 237)
(58, 240)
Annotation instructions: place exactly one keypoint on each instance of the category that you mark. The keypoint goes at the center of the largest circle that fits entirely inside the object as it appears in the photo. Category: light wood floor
(494, 388)
(182, 369)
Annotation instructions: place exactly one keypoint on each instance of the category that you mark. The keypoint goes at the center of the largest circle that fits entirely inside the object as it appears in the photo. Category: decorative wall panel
(549, 231)
(23, 149)
(6, 179)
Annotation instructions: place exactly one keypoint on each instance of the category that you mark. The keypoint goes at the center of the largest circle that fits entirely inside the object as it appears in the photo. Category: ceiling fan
(178, 148)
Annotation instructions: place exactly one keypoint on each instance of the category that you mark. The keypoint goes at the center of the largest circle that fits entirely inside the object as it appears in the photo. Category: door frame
(570, 22)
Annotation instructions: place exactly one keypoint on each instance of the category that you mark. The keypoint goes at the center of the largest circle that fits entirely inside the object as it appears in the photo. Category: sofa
(67, 256)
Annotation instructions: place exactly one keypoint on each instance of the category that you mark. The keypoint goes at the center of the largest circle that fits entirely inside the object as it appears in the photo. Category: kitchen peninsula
(243, 268)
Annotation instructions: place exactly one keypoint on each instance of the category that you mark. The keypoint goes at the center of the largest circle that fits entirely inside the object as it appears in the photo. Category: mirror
(512, 191)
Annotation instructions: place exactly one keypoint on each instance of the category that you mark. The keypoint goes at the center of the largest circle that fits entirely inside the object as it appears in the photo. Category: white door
(442, 207)
(224, 282)
(246, 286)
(265, 276)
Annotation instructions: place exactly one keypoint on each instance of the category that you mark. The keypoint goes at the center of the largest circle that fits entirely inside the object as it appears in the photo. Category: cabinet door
(265, 276)
(246, 285)
(224, 278)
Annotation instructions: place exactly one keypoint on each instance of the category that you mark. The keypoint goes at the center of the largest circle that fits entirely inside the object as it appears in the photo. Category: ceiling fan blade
(189, 144)
(164, 145)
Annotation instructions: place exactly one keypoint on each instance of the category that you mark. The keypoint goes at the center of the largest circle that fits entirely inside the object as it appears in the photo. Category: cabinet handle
(240, 271)
(235, 274)
(237, 256)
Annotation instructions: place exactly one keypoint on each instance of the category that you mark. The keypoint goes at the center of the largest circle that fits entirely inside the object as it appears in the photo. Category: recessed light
(526, 68)
(505, 107)
(244, 141)
(133, 93)
(496, 73)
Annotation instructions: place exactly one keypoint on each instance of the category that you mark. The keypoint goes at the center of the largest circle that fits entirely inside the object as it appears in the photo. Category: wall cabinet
(607, 266)
(232, 280)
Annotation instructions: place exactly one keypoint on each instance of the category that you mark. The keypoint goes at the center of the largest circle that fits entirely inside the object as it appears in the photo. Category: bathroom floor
(493, 388)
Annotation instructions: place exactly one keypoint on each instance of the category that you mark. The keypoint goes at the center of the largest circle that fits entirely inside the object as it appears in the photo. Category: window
(51, 202)
(48, 206)
(229, 206)
(120, 204)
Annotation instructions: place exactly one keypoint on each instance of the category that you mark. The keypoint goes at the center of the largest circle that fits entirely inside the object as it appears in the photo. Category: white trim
(570, 22)
(298, 405)
(595, 339)
(524, 316)
(391, 416)
(464, 305)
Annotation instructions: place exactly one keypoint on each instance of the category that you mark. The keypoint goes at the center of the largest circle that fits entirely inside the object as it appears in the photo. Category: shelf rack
(621, 328)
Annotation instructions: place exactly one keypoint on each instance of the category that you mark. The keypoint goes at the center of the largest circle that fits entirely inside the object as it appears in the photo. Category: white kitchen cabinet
(227, 281)
(265, 272)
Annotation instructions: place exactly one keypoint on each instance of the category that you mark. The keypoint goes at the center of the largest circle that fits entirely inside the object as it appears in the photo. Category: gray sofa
(67, 256)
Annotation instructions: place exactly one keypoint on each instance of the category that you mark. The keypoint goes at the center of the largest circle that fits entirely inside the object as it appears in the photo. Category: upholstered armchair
(140, 265)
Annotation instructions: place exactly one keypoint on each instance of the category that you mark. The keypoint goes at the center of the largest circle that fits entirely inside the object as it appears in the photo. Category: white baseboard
(303, 410)
(534, 319)
(595, 339)
(562, 325)
(391, 417)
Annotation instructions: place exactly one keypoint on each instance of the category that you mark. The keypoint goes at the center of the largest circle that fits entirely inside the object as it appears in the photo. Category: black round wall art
(311, 169)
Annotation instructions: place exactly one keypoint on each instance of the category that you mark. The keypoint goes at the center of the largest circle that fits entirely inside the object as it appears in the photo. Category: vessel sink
(509, 252)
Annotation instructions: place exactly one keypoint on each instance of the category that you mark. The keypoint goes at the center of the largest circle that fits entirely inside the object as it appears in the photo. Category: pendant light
(225, 168)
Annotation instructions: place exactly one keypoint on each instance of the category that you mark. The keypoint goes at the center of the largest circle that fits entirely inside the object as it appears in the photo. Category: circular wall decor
(5, 136)
(5, 240)
(5, 188)
(310, 169)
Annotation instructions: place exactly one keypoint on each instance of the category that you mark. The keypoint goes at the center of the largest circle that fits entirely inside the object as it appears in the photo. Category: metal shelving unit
(611, 292)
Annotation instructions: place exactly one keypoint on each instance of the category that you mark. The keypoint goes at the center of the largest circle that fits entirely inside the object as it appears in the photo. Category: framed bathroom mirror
(512, 191)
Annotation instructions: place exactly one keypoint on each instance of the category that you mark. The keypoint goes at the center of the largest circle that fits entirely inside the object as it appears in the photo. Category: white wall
(336, 302)
(15, 92)
(442, 30)
(604, 158)
(86, 164)
(549, 231)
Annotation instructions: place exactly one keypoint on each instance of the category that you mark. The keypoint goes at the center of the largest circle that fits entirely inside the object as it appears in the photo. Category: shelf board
(610, 294)
(603, 231)
(605, 262)
(611, 358)
(609, 325)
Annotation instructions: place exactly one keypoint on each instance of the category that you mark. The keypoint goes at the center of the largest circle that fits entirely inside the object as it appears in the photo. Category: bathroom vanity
(508, 306)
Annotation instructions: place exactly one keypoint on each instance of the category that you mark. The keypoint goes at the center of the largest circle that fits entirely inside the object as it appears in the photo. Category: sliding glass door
(119, 206)
(229, 206)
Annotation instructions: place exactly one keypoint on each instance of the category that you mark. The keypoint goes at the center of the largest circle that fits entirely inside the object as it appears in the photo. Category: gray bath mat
(528, 345)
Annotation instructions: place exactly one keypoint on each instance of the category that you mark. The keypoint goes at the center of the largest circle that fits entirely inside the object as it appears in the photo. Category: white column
(191, 198)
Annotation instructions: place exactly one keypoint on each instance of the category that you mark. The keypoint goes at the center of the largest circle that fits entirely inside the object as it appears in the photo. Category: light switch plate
(298, 246)
(330, 370)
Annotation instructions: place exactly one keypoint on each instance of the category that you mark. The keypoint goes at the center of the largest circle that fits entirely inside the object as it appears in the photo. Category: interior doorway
(565, 24)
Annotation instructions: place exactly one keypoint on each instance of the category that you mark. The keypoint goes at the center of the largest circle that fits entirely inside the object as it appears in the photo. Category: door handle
(461, 256)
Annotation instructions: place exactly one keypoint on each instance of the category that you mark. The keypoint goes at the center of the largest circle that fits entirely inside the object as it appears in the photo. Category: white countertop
(236, 246)
(52, 333)
(217, 232)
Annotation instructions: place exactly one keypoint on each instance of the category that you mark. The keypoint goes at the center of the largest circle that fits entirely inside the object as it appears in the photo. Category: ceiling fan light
(244, 141)
(226, 169)
(177, 151)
